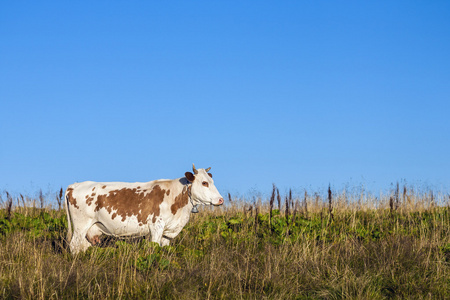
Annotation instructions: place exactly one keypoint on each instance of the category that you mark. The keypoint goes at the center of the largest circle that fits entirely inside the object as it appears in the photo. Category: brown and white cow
(160, 207)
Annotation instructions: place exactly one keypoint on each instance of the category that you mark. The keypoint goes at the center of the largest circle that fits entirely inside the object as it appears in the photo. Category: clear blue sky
(300, 93)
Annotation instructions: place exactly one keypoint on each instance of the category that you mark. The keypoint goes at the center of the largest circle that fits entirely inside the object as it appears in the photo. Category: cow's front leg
(165, 241)
(156, 230)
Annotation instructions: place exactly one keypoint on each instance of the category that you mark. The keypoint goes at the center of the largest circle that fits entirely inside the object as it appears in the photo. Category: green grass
(365, 251)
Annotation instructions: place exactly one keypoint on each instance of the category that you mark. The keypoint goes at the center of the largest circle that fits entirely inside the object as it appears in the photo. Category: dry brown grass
(366, 251)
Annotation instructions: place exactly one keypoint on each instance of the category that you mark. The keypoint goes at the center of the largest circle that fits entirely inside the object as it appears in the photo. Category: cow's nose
(220, 201)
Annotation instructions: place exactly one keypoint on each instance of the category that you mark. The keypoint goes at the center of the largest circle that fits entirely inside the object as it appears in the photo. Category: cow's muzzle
(220, 202)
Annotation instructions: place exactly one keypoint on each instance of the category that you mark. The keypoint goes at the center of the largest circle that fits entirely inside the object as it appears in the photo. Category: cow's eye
(205, 184)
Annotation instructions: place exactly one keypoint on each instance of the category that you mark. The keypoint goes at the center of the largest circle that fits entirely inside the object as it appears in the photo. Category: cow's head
(203, 190)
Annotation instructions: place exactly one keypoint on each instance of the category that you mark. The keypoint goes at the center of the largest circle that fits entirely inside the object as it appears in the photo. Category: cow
(160, 207)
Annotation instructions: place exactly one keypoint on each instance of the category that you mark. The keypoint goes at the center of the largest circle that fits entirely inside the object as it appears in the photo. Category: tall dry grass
(333, 246)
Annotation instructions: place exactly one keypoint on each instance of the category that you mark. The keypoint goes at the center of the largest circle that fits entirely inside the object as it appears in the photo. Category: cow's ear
(210, 175)
(189, 176)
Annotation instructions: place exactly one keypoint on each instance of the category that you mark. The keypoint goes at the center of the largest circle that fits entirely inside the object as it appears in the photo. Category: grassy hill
(345, 246)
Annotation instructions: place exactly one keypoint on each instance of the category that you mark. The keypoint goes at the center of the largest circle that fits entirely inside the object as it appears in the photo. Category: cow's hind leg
(79, 243)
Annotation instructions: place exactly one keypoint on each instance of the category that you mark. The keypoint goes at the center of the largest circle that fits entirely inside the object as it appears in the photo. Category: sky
(303, 94)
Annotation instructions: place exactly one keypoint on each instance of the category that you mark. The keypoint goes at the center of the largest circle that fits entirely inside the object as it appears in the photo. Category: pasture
(307, 246)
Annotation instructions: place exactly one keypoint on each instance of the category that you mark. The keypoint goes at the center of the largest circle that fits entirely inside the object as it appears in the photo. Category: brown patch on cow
(180, 201)
(93, 194)
(138, 187)
(113, 216)
(129, 202)
(71, 199)
(89, 200)
(168, 192)
(85, 197)
(93, 188)
(103, 186)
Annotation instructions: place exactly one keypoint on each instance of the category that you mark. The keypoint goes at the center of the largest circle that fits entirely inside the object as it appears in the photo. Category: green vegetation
(395, 248)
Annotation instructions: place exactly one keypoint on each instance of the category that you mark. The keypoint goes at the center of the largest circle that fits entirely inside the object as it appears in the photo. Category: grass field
(291, 247)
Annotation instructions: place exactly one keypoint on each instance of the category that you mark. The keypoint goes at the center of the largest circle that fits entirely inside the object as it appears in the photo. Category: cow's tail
(69, 219)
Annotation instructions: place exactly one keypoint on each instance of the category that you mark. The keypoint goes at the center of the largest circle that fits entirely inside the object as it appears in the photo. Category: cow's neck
(191, 201)
(185, 187)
